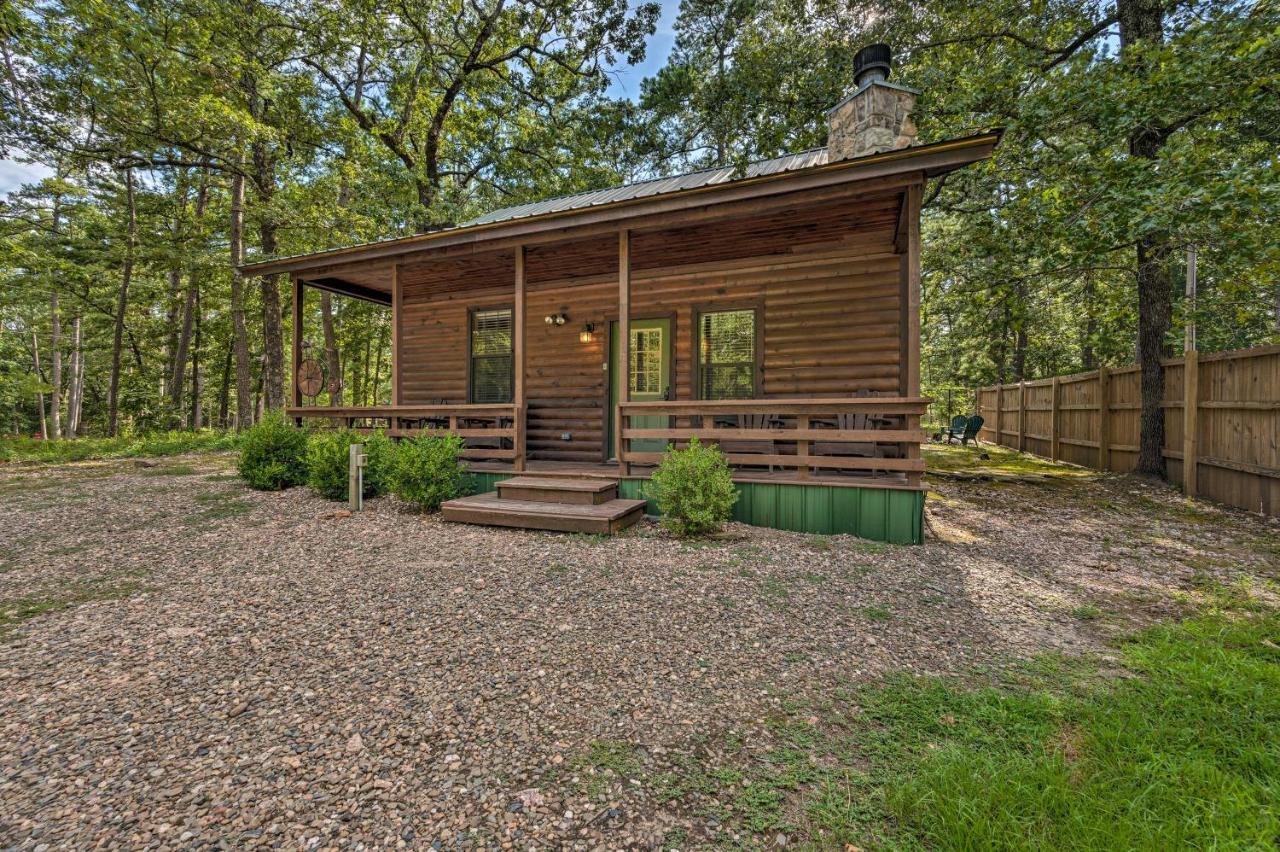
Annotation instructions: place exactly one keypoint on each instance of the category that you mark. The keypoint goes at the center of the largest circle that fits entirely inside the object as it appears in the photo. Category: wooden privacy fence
(1232, 431)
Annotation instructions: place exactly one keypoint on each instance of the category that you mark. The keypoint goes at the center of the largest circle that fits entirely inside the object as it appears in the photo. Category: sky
(625, 84)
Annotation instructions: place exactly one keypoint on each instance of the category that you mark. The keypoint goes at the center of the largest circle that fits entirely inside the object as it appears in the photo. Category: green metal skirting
(894, 515)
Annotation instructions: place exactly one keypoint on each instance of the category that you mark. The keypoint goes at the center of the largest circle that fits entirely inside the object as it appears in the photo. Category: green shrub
(380, 452)
(273, 454)
(428, 470)
(694, 489)
(328, 461)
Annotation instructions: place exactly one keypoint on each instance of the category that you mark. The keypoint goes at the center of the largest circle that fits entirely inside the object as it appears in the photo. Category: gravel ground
(203, 664)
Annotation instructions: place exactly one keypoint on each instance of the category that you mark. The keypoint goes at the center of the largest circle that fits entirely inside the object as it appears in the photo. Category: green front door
(650, 377)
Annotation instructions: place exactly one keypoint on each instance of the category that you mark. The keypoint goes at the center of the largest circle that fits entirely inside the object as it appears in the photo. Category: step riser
(600, 526)
(548, 495)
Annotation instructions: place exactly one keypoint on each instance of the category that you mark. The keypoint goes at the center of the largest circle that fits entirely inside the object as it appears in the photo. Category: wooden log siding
(1236, 418)
(826, 282)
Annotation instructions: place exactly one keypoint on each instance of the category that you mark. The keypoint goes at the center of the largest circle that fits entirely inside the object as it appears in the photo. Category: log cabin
(773, 310)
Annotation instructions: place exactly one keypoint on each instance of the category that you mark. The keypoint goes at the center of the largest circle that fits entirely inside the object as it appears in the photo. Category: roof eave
(934, 159)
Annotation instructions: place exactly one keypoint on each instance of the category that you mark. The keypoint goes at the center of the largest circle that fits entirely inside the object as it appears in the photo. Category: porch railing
(489, 431)
(860, 436)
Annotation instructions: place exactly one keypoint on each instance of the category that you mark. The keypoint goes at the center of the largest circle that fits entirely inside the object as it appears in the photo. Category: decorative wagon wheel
(310, 377)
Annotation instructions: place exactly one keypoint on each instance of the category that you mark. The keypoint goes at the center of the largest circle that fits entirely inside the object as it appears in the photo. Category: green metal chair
(957, 428)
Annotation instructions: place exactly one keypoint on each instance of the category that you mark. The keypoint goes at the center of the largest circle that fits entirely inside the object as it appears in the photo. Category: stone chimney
(877, 116)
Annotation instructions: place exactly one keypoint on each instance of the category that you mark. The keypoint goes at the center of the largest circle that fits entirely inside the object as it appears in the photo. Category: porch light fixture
(587, 334)
(555, 319)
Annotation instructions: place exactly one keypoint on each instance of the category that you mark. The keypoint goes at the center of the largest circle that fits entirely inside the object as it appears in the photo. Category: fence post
(1054, 437)
(1104, 418)
(1022, 416)
(1190, 420)
(999, 415)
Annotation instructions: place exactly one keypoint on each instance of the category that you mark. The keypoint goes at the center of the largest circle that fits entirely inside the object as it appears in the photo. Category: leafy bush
(694, 489)
(380, 452)
(428, 470)
(329, 462)
(273, 454)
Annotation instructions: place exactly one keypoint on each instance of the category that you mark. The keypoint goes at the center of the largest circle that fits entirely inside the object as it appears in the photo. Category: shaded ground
(184, 660)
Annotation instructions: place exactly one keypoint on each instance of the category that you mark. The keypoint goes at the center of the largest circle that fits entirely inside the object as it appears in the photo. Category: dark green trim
(895, 515)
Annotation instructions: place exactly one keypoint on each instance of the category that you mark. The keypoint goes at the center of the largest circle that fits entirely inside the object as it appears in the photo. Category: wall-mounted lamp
(555, 319)
(587, 334)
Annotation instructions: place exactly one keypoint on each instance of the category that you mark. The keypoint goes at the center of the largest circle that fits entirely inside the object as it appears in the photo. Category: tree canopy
(183, 136)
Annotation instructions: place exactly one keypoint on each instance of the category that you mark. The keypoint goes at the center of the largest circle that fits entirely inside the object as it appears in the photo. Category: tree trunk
(1088, 352)
(332, 360)
(196, 421)
(182, 351)
(1142, 24)
(77, 381)
(224, 395)
(272, 317)
(55, 357)
(35, 359)
(240, 335)
(113, 395)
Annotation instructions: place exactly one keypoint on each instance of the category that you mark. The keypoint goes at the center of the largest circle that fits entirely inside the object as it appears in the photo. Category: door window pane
(646, 360)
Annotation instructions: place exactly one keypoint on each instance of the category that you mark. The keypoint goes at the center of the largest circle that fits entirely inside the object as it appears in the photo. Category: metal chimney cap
(873, 62)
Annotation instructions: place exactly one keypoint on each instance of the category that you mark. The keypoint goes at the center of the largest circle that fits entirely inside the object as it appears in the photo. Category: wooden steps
(546, 489)
(549, 503)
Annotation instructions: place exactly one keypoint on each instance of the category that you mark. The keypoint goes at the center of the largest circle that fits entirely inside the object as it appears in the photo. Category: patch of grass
(218, 506)
(557, 570)
(171, 470)
(133, 446)
(15, 612)
(1087, 612)
(999, 462)
(774, 590)
(605, 760)
(876, 612)
(813, 577)
(1182, 753)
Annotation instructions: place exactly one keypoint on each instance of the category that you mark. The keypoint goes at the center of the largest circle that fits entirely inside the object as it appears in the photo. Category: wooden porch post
(296, 284)
(914, 194)
(396, 293)
(517, 354)
(624, 344)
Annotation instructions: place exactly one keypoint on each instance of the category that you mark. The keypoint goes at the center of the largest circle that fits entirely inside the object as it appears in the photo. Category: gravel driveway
(185, 662)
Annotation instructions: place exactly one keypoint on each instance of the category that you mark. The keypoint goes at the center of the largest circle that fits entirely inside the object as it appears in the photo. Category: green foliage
(428, 470)
(380, 458)
(694, 489)
(328, 462)
(131, 446)
(1187, 755)
(273, 454)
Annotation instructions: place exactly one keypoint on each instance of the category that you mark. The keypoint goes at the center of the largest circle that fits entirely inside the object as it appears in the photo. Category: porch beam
(913, 197)
(624, 343)
(346, 288)
(396, 307)
(517, 356)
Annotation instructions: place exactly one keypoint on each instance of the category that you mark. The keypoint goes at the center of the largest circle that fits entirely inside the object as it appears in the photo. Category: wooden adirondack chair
(964, 428)
(748, 446)
(957, 427)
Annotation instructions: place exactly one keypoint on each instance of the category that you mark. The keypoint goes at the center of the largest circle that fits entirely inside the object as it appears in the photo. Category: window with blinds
(727, 355)
(491, 356)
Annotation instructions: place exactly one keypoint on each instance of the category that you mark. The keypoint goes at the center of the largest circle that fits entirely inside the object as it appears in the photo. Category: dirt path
(186, 661)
